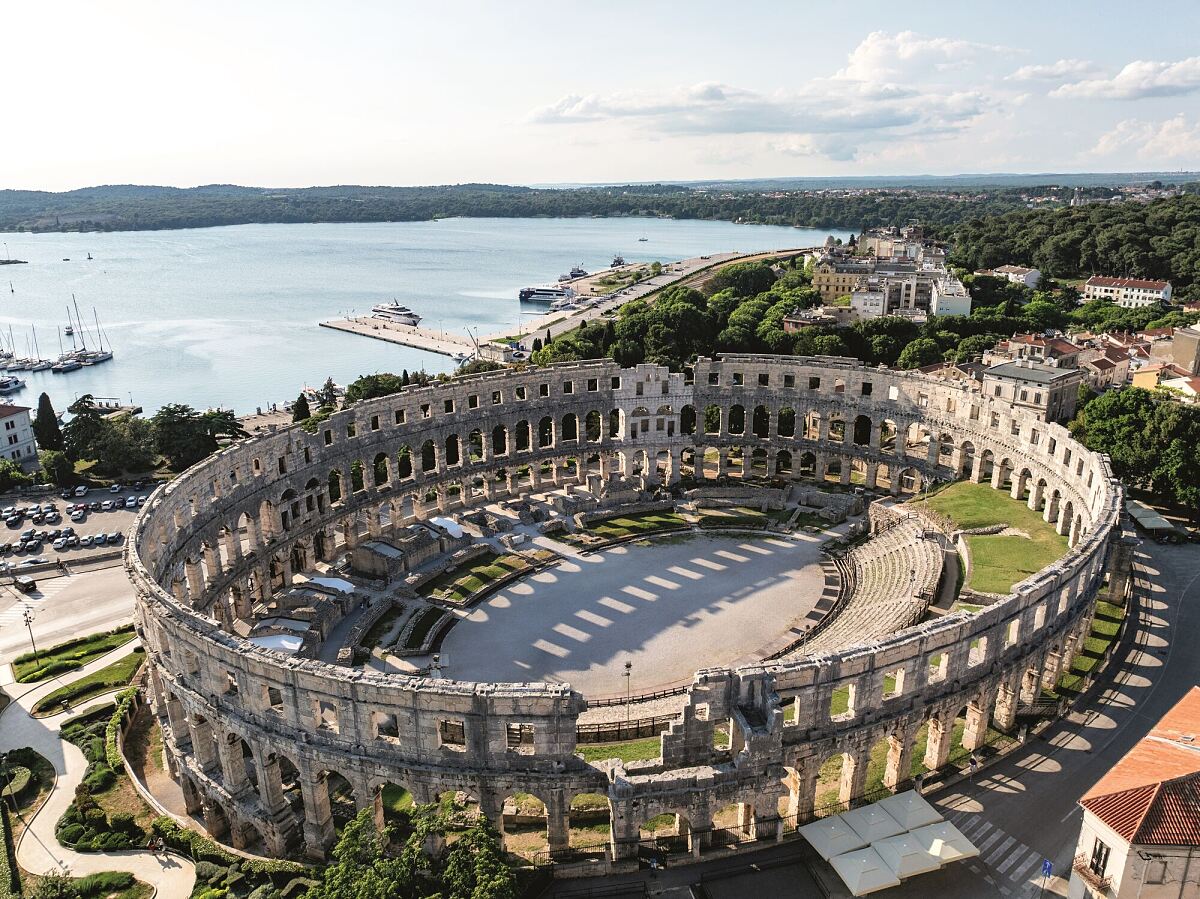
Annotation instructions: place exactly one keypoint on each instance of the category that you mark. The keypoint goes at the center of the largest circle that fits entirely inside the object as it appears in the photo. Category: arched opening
(379, 470)
(862, 430)
(910, 480)
(356, 476)
(570, 427)
(835, 781)
(335, 486)
(687, 462)
(687, 420)
(524, 824)
(987, 463)
(858, 471)
(545, 432)
(453, 450)
(592, 426)
(758, 463)
(522, 436)
(785, 425)
(499, 441)
(342, 801)
(837, 428)
(662, 466)
(783, 462)
(737, 419)
(404, 463)
(475, 446)
(393, 805)
(808, 466)
(761, 422)
(589, 823)
(833, 469)
(712, 419)
(887, 434)
(966, 459)
(812, 425)
(670, 833)
(945, 449)
(614, 423)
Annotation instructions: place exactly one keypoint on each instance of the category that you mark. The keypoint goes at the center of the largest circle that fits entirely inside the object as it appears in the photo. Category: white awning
(910, 809)
(872, 823)
(863, 872)
(906, 856)
(831, 836)
(945, 841)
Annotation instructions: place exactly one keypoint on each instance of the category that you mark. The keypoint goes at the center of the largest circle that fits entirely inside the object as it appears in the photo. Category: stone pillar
(1064, 521)
(1035, 495)
(212, 562)
(215, 820)
(975, 732)
(195, 581)
(270, 785)
(191, 796)
(937, 749)
(977, 468)
(898, 772)
(746, 821)
(872, 479)
(203, 748)
(1051, 669)
(557, 822)
(622, 832)
(233, 765)
(676, 465)
(177, 719)
(1005, 713)
(318, 817)
(931, 454)
(255, 532)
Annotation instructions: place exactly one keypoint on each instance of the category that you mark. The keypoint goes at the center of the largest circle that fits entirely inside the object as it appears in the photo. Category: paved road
(1023, 809)
(64, 607)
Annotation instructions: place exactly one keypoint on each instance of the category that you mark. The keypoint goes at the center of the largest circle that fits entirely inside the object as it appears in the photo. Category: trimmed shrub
(10, 878)
(297, 888)
(53, 669)
(103, 884)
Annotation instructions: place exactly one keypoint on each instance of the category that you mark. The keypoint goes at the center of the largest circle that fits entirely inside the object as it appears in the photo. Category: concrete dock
(444, 342)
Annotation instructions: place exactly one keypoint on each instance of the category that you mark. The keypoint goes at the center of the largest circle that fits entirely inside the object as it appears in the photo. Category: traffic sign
(1047, 867)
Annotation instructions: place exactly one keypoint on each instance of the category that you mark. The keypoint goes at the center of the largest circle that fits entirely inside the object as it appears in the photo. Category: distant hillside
(135, 208)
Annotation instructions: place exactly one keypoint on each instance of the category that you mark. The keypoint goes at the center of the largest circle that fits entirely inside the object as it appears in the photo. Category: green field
(621, 526)
(629, 751)
(999, 562)
(459, 583)
(110, 677)
(69, 656)
(1106, 626)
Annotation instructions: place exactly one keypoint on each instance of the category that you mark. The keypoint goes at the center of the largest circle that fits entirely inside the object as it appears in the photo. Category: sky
(354, 92)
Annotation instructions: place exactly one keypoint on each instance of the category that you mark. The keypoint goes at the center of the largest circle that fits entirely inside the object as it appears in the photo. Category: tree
(181, 435)
(82, 432)
(58, 468)
(300, 410)
(746, 279)
(370, 387)
(12, 476)
(327, 395)
(922, 351)
(45, 425)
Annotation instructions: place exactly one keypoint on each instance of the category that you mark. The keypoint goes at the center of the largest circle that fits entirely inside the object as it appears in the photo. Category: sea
(227, 317)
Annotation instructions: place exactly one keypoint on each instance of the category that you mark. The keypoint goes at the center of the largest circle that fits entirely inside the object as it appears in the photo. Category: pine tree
(45, 426)
(300, 410)
(537, 345)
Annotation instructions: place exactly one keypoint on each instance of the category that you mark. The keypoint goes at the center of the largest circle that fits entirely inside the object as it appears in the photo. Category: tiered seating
(890, 574)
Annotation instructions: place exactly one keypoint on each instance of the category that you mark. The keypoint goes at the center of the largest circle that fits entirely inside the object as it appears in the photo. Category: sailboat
(38, 363)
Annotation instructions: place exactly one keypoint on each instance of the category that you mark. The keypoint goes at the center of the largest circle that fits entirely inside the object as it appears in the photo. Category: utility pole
(628, 695)
(28, 616)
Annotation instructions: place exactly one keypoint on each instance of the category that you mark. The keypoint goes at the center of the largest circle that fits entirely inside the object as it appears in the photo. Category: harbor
(444, 343)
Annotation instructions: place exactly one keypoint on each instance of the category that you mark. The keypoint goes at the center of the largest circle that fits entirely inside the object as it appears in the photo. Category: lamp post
(28, 618)
(628, 694)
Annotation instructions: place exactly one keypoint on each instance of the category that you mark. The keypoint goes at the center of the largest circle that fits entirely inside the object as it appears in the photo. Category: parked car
(66, 493)
(131, 503)
(68, 531)
(53, 518)
(61, 543)
(33, 546)
(115, 488)
(114, 537)
(29, 563)
(95, 506)
(99, 539)
(79, 515)
(108, 505)
(81, 490)
(5, 548)
(142, 500)
(85, 540)
(24, 583)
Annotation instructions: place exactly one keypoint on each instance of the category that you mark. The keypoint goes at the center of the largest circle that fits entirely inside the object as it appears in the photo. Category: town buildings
(1017, 274)
(1050, 392)
(1141, 822)
(1128, 293)
(18, 443)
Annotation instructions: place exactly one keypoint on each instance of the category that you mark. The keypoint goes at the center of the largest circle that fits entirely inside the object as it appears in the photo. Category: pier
(443, 342)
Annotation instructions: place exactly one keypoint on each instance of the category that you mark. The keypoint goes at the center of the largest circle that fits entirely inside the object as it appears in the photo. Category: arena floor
(670, 607)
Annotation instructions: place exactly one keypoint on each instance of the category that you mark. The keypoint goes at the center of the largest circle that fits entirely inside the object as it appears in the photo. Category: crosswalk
(1010, 863)
(14, 615)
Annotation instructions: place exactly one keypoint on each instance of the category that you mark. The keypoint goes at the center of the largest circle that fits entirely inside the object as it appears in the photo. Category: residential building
(16, 442)
(869, 300)
(1140, 835)
(1050, 348)
(818, 316)
(1017, 274)
(1128, 293)
(950, 297)
(1187, 389)
(1185, 349)
(835, 278)
(1148, 377)
(1104, 369)
(1048, 391)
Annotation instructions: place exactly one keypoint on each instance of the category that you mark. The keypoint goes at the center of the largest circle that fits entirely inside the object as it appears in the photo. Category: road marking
(1016, 854)
(686, 572)
(1073, 810)
(1023, 870)
(1008, 841)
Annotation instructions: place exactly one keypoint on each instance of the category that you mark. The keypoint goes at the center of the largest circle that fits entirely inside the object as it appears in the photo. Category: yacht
(618, 261)
(643, 239)
(10, 385)
(545, 294)
(69, 330)
(394, 312)
(41, 365)
(66, 364)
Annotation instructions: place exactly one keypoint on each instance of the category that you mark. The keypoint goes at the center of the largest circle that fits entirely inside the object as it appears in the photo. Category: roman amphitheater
(266, 574)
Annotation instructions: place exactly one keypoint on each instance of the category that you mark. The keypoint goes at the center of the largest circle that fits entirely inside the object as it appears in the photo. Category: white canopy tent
(910, 809)
(863, 871)
(906, 856)
(945, 841)
(832, 836)
(872, 823)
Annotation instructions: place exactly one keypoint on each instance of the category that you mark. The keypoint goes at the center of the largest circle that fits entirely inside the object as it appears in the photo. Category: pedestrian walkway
(34, 602)
(1004, 861)
(38, 850)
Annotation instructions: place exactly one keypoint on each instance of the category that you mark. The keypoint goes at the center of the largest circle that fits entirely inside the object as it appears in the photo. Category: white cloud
(1139, 79)
(1060, 71)
(831, 116)
(1162, 142)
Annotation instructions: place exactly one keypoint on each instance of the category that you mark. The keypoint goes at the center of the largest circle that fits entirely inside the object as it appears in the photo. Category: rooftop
(1152, 796)
(7, 411)
(1042, 374)
(1104, 281)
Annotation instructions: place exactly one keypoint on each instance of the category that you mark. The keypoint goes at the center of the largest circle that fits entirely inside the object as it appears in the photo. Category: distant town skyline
(296, 94)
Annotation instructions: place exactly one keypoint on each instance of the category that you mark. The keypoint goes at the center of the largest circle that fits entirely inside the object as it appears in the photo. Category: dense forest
(1145, 240)
(131, 207)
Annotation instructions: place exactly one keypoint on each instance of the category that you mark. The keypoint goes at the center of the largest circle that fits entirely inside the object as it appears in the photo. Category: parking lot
(52, 528)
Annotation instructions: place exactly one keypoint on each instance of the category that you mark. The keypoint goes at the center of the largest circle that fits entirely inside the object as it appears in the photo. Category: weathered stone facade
(242, 722)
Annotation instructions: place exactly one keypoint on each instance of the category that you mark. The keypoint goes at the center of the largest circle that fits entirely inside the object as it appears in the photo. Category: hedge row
(200, 848)
(112, 746)
(73, 644)
(10, 878)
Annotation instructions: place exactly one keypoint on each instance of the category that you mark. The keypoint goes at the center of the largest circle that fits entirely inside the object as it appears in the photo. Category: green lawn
(741, 517)
(999, 562)
(621, 526)
(69, 656)
(421, 627)
(459, 583)
(380, 628)
(629, 751)
(1106, 625)
(110, 677)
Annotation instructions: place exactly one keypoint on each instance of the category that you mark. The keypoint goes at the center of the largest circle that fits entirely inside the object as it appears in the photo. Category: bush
(70, 834)
(210, 873)
(19, 778)
(103, 884)
(125, 701)
(49, 670)
(100, 779)
(10, 880)
(297, 888)
(123, 822)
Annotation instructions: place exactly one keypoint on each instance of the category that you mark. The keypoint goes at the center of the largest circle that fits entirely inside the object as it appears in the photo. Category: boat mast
(99, 336)
(78, 318)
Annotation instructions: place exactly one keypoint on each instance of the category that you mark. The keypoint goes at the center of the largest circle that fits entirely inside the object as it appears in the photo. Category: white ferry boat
(394, 312)
(545, 294)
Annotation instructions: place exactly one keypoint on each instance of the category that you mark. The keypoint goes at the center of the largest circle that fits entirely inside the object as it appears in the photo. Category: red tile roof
(1152, 795)
(1104, 281)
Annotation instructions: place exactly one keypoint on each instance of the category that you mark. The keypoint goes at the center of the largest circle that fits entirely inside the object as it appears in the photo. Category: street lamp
(628, 696)
(28, 617)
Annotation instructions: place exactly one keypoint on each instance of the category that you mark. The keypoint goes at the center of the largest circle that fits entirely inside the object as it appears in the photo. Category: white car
(81, 490)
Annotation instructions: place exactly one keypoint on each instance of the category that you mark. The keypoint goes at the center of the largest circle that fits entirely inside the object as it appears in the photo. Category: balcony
(1082, 866)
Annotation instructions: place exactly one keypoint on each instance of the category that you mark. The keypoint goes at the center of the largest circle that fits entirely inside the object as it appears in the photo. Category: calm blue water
(228, 316)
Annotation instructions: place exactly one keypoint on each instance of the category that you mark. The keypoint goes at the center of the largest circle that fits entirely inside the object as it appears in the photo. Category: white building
(868, 302)
(1128, 293)
(1141, 822)
(1017, 274)
(17, 442)
(1048, 391)
(950, 297)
